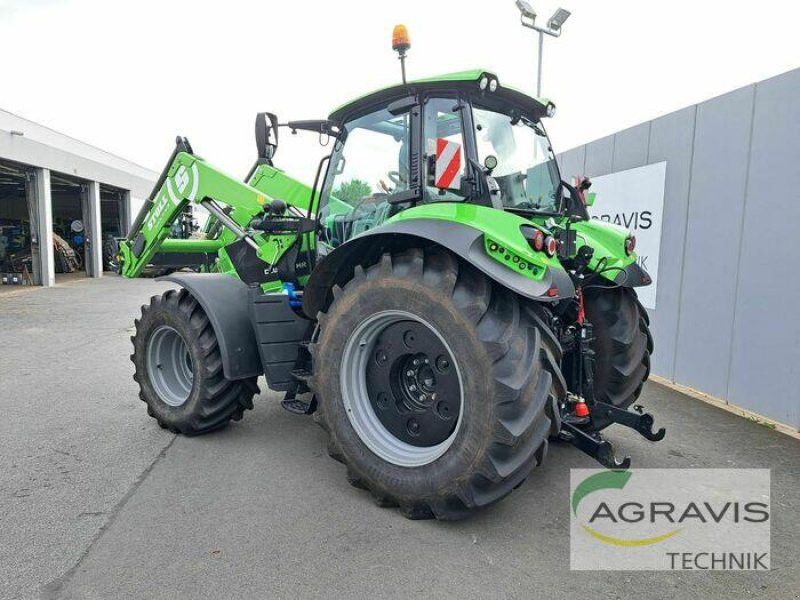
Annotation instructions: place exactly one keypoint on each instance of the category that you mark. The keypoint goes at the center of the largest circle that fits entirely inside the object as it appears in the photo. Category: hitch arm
(599, 449)
(604, 414)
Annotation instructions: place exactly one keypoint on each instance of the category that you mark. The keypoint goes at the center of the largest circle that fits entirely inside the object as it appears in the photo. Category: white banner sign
(634, 199)
(670, 519)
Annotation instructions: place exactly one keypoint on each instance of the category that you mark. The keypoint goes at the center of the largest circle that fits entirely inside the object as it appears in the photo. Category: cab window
(526, 170)
(444, 157)
(368, 166)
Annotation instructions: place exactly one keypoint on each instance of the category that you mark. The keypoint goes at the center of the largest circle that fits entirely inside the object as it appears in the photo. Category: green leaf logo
(611, 480)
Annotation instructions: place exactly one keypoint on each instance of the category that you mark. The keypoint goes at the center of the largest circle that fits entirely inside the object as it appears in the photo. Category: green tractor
(438, 299)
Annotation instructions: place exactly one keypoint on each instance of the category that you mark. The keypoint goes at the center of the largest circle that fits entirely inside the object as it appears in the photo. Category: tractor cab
(457, 138)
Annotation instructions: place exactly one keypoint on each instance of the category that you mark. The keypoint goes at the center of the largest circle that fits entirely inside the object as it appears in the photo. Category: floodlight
(558, 19)
(526, 9)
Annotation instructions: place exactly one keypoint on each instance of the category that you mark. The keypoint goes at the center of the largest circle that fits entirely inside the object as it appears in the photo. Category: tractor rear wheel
(179, 368)
(437, 388)
(623, 344)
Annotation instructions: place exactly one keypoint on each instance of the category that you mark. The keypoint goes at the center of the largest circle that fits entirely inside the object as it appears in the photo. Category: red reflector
(552, 292)
(581, 410)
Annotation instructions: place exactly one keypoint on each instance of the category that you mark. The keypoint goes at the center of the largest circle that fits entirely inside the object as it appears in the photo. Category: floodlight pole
(553, 29)
(539, 68)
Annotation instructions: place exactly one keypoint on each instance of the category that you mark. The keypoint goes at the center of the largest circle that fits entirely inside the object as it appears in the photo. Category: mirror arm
(480, 184)
(575, 206)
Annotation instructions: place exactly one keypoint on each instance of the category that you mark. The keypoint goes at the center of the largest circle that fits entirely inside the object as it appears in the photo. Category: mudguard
(464, 241)
(633, 276)
(226, 301)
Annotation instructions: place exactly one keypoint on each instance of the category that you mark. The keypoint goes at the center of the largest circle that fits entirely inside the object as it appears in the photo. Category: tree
(352, 191)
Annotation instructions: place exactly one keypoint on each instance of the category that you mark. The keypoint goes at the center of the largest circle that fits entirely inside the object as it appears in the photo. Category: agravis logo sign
(648, 519)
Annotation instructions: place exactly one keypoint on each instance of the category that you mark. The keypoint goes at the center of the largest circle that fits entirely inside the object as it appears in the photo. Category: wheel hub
(412, 385)
(169, 366)
(417, 382)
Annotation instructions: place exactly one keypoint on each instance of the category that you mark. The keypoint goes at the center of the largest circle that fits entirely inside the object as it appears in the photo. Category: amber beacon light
(401, 42)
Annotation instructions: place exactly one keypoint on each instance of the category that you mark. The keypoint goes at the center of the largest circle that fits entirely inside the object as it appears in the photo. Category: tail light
(630, 244)
(537, 242)
(550, 245)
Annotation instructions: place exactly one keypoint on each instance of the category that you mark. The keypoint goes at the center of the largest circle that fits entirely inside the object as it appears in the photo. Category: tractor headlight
(551, 110)
(493, 85)
(483, 83)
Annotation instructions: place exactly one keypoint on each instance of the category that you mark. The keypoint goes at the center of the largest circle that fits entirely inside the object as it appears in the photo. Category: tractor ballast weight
(439, 298)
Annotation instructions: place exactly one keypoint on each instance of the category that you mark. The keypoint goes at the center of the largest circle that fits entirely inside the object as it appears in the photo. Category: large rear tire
(483, 379)
(623, 344)
(178, 367)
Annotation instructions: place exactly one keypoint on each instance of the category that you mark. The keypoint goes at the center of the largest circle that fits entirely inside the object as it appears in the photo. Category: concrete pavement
(97, 502)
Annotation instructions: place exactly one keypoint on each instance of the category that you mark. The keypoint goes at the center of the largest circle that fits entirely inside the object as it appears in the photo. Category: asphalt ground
(96, 501)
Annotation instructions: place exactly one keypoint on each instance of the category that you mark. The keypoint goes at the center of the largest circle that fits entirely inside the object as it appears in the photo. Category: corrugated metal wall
(727, 320)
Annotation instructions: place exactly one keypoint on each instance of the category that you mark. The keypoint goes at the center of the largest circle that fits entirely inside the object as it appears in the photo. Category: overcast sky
(129, 76)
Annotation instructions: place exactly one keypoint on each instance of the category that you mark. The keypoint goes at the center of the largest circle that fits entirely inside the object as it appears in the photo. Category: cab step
(299, 407)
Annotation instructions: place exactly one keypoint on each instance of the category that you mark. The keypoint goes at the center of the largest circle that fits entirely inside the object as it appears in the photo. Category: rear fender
(468, 243)
(226, 301)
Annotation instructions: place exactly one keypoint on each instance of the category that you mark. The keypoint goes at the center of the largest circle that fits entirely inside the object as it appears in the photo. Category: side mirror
(266, 136)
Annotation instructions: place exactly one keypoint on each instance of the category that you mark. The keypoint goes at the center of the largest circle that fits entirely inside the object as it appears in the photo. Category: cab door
(374, 172)
(446, 149)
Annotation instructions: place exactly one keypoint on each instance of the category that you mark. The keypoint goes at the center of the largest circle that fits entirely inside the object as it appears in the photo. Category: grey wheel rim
(169, 366)
(359, 408)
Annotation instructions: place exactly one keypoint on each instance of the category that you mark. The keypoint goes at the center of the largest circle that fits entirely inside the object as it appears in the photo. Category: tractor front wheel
(179, 368)
(436, 387)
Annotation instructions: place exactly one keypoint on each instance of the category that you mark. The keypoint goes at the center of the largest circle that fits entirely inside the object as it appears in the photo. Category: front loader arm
(189, 179)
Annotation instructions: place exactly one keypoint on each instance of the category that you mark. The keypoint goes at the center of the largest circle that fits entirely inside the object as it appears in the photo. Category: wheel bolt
(442, 363)
(380, 357)
(415, 362)
(413, 427)
(413, 388)
(410, 373)
(433, 396)
(443, 410)
(423, 398)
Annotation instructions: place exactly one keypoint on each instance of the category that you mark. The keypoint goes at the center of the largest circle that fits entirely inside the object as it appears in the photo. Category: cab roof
(461, 81)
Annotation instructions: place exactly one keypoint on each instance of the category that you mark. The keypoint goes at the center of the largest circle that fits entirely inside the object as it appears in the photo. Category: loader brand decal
(634, 199)
(670, 519)
(181, 186)
(448, 164)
